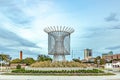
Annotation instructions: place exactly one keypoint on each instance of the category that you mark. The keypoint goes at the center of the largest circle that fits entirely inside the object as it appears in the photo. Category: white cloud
(28, 18)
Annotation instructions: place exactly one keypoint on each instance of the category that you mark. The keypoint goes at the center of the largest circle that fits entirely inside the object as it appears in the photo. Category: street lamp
(1, 63)
(98, 62)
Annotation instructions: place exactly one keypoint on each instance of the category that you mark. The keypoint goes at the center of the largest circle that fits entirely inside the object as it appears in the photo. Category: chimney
(20, 55)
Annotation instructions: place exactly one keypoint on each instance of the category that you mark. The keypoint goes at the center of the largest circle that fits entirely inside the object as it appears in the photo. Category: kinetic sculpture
(58, 41)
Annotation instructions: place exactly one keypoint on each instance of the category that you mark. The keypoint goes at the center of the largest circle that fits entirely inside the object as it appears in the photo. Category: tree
(17, 60)
(43, 58)
(4, 57)
(101, 61)
(76, 60)
(28, 61)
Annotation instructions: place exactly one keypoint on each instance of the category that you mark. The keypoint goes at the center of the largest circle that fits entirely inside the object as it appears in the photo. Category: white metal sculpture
(58, 41)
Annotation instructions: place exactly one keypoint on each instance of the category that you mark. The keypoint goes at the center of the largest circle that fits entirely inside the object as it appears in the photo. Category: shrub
(57, 71)
(18, 66)
(58, 64)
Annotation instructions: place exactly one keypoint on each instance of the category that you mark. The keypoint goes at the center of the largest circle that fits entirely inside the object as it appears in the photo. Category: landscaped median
(93, 72)
(58, 69)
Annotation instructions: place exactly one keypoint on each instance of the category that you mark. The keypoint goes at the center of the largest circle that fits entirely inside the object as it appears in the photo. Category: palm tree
(5, 57)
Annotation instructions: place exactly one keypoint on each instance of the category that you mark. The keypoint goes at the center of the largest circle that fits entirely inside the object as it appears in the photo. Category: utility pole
(72, 54)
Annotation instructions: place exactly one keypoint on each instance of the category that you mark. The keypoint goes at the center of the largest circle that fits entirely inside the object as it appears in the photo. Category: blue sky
(96, 24)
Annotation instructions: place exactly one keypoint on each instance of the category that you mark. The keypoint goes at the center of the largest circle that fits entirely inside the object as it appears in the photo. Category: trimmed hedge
(55, 71)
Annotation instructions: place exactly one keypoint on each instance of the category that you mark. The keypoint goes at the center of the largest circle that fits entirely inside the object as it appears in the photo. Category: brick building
(111, 57)
(108, 57)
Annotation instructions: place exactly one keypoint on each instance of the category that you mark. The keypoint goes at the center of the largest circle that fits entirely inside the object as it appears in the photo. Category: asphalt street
(26, 77)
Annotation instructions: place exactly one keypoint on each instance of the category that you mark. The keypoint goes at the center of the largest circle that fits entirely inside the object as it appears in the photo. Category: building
(111, 57)
(112, 65)
(113, 61)
(87, 54)
(89, 60)
(107, 54)
(14, 65)
(108, 57)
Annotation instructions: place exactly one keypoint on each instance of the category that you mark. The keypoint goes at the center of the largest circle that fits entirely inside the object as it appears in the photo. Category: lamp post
(98, 62)
(1, 63)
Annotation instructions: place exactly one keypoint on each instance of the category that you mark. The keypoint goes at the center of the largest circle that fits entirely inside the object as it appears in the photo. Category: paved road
(15, 77)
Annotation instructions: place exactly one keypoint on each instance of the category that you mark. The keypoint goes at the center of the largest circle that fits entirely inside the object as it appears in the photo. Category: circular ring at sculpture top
(58, 29)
